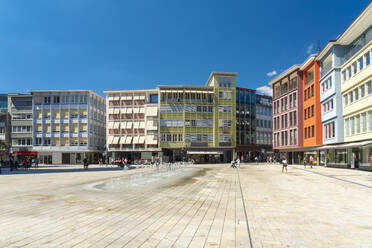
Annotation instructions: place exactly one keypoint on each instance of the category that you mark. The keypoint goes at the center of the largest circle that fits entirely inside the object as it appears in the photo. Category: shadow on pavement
(56, 169)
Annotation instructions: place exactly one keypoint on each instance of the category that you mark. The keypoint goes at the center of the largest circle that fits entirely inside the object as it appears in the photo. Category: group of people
(14, 163)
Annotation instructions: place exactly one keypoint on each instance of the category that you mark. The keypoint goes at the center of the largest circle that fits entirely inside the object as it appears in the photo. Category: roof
(64, 91)
(129, 91)
(290, 70)
(214, 73)
(326, 48)
(308, 61)
(357, 27)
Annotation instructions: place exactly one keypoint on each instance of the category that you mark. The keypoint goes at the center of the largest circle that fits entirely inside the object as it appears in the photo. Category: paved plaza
(196, 206)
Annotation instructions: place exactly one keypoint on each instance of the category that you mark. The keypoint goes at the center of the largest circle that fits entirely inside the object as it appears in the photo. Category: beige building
(68, 125)
(132, 123)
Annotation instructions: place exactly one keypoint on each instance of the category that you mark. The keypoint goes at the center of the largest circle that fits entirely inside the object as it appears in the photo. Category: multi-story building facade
(356, 88)
(132, 123)
(287, 114)
(312, 120)
(20, 111)
(264, 130)
(67, 126)
(195, 122)
(4, 126)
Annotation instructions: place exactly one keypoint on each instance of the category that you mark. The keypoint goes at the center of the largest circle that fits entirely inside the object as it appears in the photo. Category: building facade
(4, 126)
(287, 114)
(132, 123)
(264, 130)
(20, 111)
(67, 126)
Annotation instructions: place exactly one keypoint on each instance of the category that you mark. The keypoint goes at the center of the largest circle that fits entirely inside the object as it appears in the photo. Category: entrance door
(66, 158)
(355, 159)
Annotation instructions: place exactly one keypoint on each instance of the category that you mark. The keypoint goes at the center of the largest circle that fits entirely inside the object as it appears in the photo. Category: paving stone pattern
(210, 206)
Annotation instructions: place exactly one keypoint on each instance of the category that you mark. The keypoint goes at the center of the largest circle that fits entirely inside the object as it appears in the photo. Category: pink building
(287, 114)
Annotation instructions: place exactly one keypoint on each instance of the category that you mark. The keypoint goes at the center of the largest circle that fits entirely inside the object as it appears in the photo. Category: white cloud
(265, 90)
(272, 73)
(310, 48)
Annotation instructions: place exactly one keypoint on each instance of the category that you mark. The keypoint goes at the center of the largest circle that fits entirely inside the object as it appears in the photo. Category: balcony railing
(325, 70)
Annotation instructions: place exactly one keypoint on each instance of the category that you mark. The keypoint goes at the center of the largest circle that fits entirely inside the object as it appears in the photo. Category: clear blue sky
(112, 44)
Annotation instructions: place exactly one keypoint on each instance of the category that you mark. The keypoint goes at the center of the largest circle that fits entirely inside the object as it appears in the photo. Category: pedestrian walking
(305, 162)
(36, 163)
(238, 162)
(311, 161)
(284, 165)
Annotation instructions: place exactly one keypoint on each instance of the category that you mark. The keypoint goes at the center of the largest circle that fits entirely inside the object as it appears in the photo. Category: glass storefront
(366, 156)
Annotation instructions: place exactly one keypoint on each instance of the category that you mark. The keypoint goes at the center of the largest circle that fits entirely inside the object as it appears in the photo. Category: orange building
(312, 120)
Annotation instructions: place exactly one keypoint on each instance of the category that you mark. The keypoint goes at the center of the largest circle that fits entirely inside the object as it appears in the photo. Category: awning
(130, 97)
(110, 125)
(142, 110)
(152, 111)
(129, 125)
(110, 139)
(142, 97)
(116, 98)
(141, 140)
(123, 125)
(150, 140)
(129, 110)
(142, 124)
(116, 125)
(122, 139)
(111, 110)
(136, 124)
(128, 140)
(136, 140)
(117, 111)
(355, 144)
(115, 140)
(136, 98)
(205, 152)
(136, 110)
(150, 124)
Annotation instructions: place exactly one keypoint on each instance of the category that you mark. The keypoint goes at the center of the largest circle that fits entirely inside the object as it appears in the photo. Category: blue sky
(112, 44)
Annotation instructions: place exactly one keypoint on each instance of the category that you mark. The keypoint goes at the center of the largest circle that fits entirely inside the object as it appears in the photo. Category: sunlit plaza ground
(196, 206)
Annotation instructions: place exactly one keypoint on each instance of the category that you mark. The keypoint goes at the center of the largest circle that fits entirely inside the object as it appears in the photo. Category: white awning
(111, 110)
(124, 97)
(122, 139)
(129, 97)
(152, 111)
(150, 140)
(128, 140)
(116, 125)
(116, 97)
(205, 152)
(142, 124)
(129, 125)
(136, 98)
(355, 144)
(142, 97)
(116, 111)
(110, 139)
(129, 110)
(116, 140)
(123, 125)
(110, 98)
(141, 140)
(136, 110)
(142, 110)
(136, 124)
(136, 140)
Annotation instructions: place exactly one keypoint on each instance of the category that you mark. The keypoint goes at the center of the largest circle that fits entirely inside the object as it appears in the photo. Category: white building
(132, 123)
(68, 125)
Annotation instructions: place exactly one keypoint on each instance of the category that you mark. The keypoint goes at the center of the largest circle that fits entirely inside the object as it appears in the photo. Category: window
(308, 93)
(361, 63)
(294, 100)
(368, 61)
(56, 99)
(308, 132)
(358, 124)
(305, 94)
(351, 97)
(46, 99)
(305, 131)
(349, 72)
(312, 131)
(369, 87)
(346, 102)
(352, 125)
(295, 118)
(308, 112)
(356, 94)
(344, 75)
(154, 98)
(355, 68)
(347, 126)
(312, 90)
(312, 110)
(364, 122)
(290, 101)
(305, 115)
(370, 121)
(362, 91)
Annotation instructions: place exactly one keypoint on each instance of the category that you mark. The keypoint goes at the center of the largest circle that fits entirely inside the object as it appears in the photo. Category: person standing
(36, 163)
(85, 162)
(311, 161)
(284, 165)
(238, 162)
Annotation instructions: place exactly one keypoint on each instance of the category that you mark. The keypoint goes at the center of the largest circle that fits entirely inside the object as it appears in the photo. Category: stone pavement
(204, 206)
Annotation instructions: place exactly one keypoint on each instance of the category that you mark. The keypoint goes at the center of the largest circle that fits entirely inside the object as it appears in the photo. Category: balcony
(325, 70)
